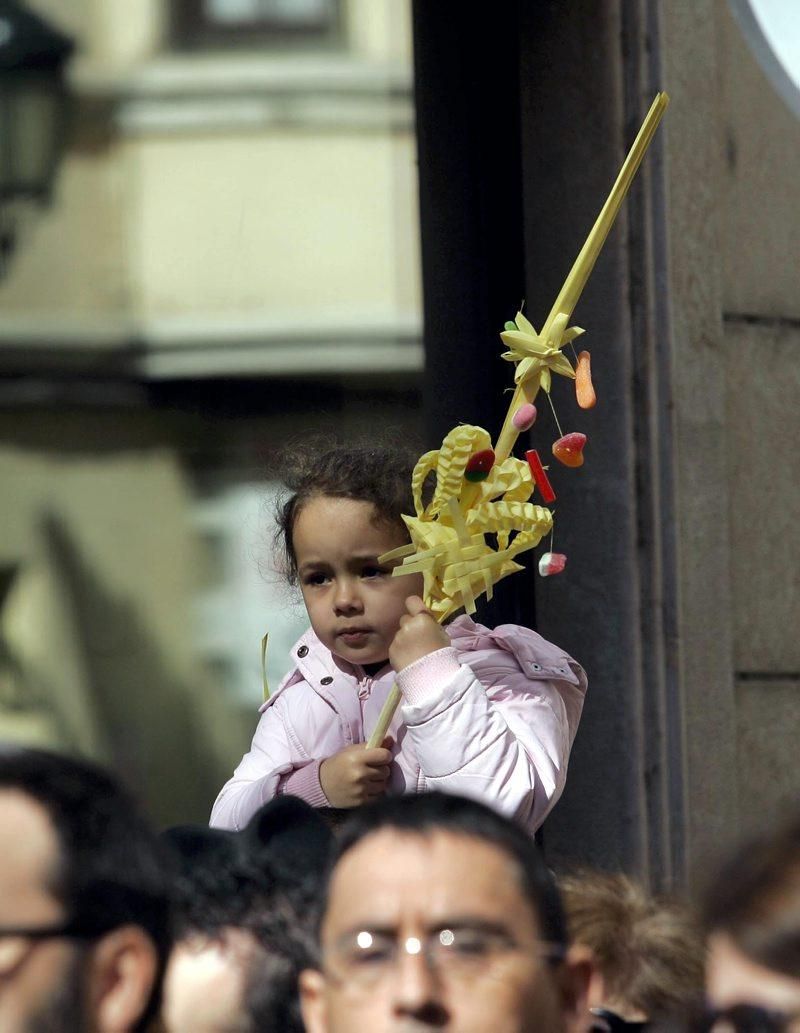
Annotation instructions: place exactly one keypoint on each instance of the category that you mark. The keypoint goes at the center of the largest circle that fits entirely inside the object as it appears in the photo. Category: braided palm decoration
(482, 489)
(448, 543)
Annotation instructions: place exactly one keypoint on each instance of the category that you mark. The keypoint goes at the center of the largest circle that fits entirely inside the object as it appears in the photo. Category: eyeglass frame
(604, 1020)
(72, 929)
(762, 1019)
(430, 945)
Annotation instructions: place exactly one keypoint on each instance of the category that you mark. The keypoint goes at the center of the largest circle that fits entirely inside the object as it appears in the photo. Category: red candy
(552, 563)
(539, 476)
(569, 449)
(479, 465)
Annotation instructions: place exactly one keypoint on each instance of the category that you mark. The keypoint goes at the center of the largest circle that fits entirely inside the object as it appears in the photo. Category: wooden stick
(385, 718)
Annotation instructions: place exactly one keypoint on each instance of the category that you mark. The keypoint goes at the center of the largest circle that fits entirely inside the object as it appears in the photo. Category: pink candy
(525, 417)
(552, 563)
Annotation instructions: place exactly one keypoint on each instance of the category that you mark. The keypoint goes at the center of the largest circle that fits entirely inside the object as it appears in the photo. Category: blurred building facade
(229, 258)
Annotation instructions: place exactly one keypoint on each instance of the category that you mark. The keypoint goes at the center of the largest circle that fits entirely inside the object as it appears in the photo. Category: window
(240, 594)
(204, 23)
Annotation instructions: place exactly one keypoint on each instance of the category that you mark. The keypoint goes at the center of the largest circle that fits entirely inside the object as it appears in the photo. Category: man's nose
(417, 989)
(347, 598)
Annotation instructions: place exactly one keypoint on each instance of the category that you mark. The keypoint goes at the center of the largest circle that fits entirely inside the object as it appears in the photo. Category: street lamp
(33, 102)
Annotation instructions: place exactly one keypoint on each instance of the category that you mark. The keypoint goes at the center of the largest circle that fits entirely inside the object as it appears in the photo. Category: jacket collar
(314, 663)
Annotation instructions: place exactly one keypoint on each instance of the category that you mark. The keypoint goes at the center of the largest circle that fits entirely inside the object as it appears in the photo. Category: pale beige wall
(225, 182)
(123, 32)
(761, 295)
(734, 220)
(72, 258)
(381, 30)
(693, 132)
(763, 388)
(102, 619)
(760, 190)
(98, 521)
(283, 222)
(188, 192)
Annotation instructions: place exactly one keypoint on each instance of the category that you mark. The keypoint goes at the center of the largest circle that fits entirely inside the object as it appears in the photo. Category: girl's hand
(356, 775)
(418, 635)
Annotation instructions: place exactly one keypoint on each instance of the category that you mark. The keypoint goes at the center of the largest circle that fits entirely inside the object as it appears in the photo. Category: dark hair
(110, 870)
(222, 892)
(224, 878)
(211, 888)
(291, 838)
(374, 473)
(648, 950)
(284, 949)
(263, 880)
(755, 899)
(425, 813)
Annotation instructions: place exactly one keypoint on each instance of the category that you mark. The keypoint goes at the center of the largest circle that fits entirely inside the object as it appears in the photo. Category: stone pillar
(645, 602)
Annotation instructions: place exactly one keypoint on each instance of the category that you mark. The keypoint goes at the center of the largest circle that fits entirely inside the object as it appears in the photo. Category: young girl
(487, 714)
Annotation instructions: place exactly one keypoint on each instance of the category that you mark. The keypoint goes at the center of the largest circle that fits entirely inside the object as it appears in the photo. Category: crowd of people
(419, 912)
(384, 886)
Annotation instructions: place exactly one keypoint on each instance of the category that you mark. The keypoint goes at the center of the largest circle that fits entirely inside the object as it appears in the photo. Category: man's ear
(597, 996)
(578, 974)
(123, 971)
(312, 1001)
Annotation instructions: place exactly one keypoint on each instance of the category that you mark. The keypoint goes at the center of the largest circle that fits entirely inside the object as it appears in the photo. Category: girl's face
(353, 602)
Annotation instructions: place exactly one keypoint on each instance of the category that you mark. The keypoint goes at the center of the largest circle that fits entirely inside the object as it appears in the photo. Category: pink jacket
(493, 717)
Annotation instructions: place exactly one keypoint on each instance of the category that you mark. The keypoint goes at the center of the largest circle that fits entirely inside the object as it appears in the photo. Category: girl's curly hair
(374, 473)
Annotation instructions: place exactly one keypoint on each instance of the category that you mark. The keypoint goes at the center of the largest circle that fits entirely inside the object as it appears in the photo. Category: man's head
(752, 918)
(236, 979)
(83, 908)
(240, 901)
(648, 951)
(440, 914)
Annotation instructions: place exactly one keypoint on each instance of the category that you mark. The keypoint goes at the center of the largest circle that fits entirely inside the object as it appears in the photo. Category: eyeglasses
(605, 1021)
(744, 1018)
(367, 958)
(16, 942)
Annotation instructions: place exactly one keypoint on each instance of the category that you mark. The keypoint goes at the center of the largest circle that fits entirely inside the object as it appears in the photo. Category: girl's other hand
(356, 775)
(418, 635)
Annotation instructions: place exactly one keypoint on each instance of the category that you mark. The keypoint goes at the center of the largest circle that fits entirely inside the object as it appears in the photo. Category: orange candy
(569, 449)
(584, 389)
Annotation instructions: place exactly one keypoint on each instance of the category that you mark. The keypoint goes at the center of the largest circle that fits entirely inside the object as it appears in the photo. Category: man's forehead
(393, 874)
(28, 847)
